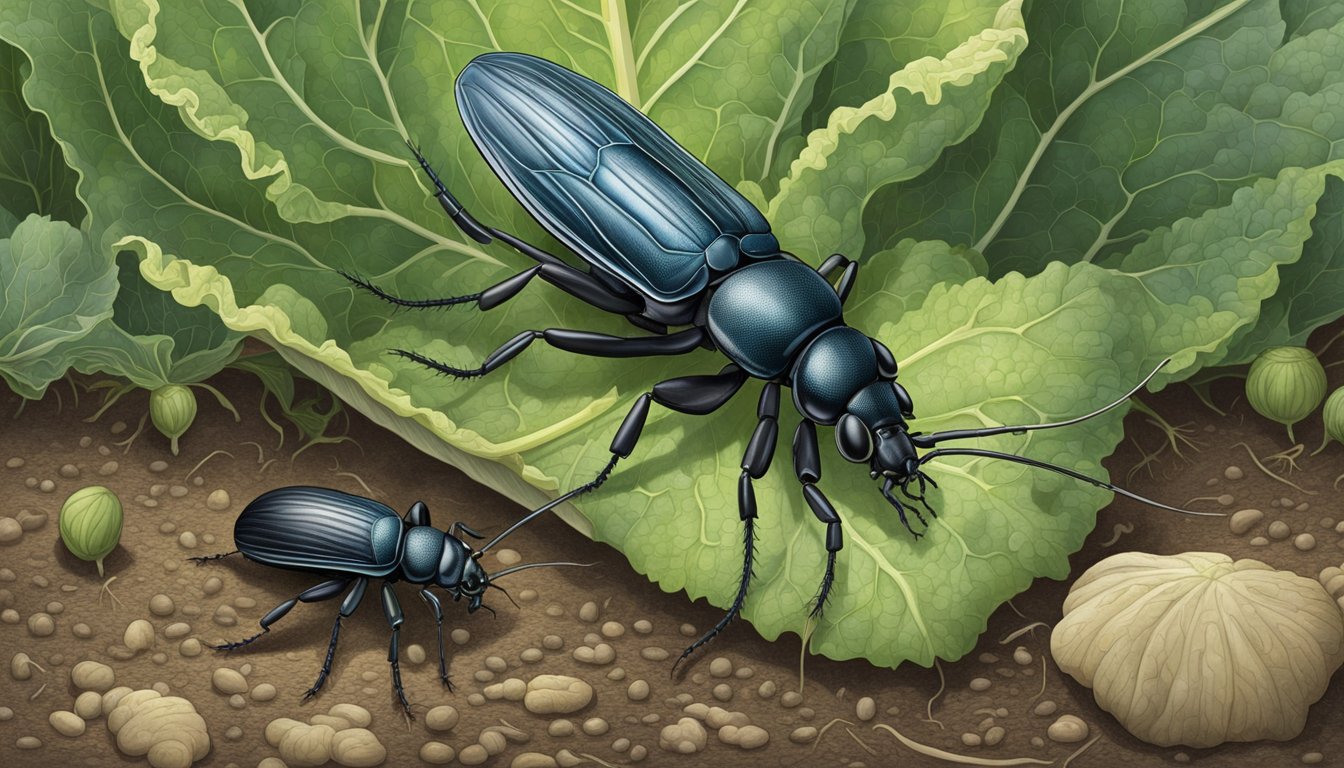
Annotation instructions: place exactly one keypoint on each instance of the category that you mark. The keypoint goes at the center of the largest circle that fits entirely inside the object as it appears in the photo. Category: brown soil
(52, 433)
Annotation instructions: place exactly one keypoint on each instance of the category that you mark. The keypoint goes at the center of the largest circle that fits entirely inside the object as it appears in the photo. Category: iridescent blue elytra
(666, 243)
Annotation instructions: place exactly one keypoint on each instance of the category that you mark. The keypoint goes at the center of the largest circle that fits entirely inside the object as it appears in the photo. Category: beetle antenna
(930, 440)
(517, 568)
(506, 594)
(553, 503)
(981, 452)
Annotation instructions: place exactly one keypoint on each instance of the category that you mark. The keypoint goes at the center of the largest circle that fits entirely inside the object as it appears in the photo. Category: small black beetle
(354, 539)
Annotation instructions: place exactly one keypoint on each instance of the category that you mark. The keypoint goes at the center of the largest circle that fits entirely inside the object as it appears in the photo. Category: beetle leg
(696, 395)
(848, 277)
(436, 608)
(807, 466)
(580, 342)
(207, 558)
(392, 610)
(553, 269)
(348, 606)
(324, 591)
(755, 463)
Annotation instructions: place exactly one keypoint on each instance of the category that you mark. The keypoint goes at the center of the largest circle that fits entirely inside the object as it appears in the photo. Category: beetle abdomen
(604, 179)
(317, 529)
(762, 314)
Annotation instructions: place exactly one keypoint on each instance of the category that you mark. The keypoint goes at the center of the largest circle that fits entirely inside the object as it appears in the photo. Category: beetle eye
(852, 438)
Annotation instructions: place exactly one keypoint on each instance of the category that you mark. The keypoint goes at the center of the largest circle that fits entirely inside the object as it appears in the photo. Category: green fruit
(1286, 384)
(1333, 416)
(172, 408)
(90, 524)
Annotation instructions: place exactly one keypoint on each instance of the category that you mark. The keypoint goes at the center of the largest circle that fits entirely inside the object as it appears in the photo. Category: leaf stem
(617, 21)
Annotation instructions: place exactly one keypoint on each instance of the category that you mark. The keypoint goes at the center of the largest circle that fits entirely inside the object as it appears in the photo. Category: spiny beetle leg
(207, 558)
(436, 608)
(348, 606)
(755, 463)
(553, 270)
(580, 342)
(807, 467)
(324, 591)
(392, 610)
(848, 278)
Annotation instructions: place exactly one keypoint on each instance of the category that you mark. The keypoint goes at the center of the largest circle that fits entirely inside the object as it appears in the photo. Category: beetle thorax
(420, 558)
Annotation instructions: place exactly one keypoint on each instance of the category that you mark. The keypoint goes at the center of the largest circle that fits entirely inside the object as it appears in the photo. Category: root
(808, 628)
(1147, 460)
(1284, 461)
(107, 588)
(38, 692)
(138, 429)
(1080, 751)
(1010, 637)
(219, 396)
(952, 757)
(1041, 692)
(359, 480)
(866, 748)
(201, 463)
(597, 760)
(1119, 530)
(115, 391)
(261, 454)
(1202, 385)
(817, 741)
(1336, 483)
(1270, 474)
(1020, 614)
(1175, 435)
(942, 686)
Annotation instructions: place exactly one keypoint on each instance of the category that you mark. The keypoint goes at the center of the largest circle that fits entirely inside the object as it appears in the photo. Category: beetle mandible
(353, 539)
(669, 244)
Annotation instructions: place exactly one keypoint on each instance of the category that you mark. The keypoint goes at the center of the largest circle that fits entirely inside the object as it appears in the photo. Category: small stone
(748, 736)
(41, 625)
(177, 491)
(1279, 530)
(1045, 708)
(436, 753)
(28, 742)
(687, 630)
(638, 690)
(595, 726)
(654, 653)
(263, 692)
(612, 629)
(555, 610)
(212, 585)
(528, 596)
(46, 486)
(744, 673)
(553, 642)
(994, 735)
(31, 521)
(508, 557)
(175, 630)
(803, 735)
(531, 655)
(722, 692)
(20, 666)
(1259, 541)
(225, 616)
(237, 701)
(971, 739)
(588, 612)
(1244, 520)
(14, 462)
(218, 500)
(980, 684)
(483, 676)
(865, 709)
(108, 468)
(441, 718)
(643, 626)
(234, 733)
(10, 530)
(721, 667)
(9, 616)
(415, 653)
(228, 681)
(161, 605)
(617, 674)
(556, 694)
(560, 728)
(791, 699)
(1312, 758)
(89, 705)
(687, 736)
(988, 658)
(493, 741)
(459, 636)
(187, 540)
(190, 647)
(1021, 656)
(767, 689)
(1233, 473)
(598, 656)
(473, 754)
(533, 760)
(1068, 729)
(156, 466)
(1305, 542)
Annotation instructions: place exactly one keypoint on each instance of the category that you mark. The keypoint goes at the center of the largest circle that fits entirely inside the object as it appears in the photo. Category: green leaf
(1121, 118)
(897, 133)
(52, 294)
(33, 175)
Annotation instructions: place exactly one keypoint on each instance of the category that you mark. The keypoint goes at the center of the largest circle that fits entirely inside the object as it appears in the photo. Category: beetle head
(873, 429)
(460, 572)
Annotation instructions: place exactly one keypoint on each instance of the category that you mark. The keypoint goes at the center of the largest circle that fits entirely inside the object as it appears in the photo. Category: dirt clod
(441, 718)
(228, 681)
(436, 753)
(1068, 729)
(687, 736)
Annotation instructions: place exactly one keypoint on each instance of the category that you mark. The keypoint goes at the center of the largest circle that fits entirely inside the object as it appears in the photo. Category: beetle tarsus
(824, 591)
(374, 290)
(202, 560)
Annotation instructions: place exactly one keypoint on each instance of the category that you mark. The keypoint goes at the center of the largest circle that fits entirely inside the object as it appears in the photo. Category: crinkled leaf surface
(243, 152)
(33, 175)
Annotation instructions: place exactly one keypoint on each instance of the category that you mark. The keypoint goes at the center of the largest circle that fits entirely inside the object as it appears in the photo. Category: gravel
(41, 625)
(638, 690)
(588, 612)
(441, 718)
(865, 709)
(162, 605)
(980, 684)
(139, 635)
(1068, 729)
(723, 692)
(218, 500)
(1279, 530)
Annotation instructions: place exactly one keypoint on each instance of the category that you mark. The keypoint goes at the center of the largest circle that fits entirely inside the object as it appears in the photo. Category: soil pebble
(560, 728)
(598, 655)
(1312, 758)
(357, 748)
(687, 736)
(553, 642)
(459, 636)
(20, 666)
(1279, 530)
(218, 500)
(556, 694)
(190, 647)
(533, 760)
(1045, 708)
(531, 655)
(473, 754)
(745, 737)
(654, 653)
(1244, 520)
(1259, 541)
(225, 616)
(166, 728)
(108, 468)
(643, 626)
(1021, 656)
(803, 735)
(93, 676)
(436, 753)
(161, 605)
(415, 653)
(176, 630)
(10, 530)
(41, 625)
(980, 684)
(723, 692)
(791, 699)
(588, 612)
(971, 739)
(28, 742)
(508, 557)
(66, 723)
(1233, 473)
(1305, 542)
(139, 635)
(1068, 729)
(595, 726)
(767, 689)
(31, 521)
(865, 709)
(228, 681)
(638, 690)
(441, 718)
(613, 629)
(721, 667)
(994, 735)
